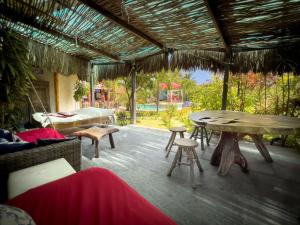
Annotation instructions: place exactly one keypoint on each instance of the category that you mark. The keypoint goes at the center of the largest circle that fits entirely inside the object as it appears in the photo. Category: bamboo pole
(92, 96)
(56, 91)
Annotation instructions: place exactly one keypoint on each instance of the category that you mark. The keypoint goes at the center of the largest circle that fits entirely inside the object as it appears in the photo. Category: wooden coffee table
(95, 134)
(234, 126)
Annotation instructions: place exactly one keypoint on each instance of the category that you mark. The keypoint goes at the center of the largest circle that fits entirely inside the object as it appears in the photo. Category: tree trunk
(288, 95)
(157, 96)
(265, 81)
(283, 93)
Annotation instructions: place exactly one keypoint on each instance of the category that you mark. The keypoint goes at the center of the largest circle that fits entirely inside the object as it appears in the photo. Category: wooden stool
(95, 134)
(174, 131)
(200, 128)
(188, 146)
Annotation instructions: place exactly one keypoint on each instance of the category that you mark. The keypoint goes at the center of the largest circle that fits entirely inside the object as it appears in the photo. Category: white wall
(66, 90)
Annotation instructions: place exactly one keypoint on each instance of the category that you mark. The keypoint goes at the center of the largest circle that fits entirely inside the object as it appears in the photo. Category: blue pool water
(147, 107)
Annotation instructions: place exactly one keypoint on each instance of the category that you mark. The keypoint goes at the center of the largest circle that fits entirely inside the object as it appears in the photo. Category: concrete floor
(269, 194)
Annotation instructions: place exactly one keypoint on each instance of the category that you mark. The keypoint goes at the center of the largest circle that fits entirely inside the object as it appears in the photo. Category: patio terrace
(269, 194)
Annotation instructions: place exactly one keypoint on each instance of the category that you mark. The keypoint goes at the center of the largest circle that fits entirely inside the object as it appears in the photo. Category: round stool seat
(200, 124)
(185, 142)
(178, 129)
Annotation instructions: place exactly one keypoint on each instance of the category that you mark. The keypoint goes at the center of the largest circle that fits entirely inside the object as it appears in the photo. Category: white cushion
(22, 180)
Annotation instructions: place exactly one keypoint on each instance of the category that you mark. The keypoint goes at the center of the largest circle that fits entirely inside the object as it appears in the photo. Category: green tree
(143, 82)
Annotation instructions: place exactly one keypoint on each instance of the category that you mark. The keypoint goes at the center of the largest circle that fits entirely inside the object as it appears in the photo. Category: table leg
(227, 153)
(194, 153)
(170, 140)
(193, 133)
(180, 156)
(181, 134)
(201, 135)
(111, 140)
(96, 149)
(192, 173)
(261, 147)
(174, 162)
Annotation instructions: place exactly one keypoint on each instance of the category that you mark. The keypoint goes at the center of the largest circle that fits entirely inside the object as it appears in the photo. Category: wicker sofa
(70, 150)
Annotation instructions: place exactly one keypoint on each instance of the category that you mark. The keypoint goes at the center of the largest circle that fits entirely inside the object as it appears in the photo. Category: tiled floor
(269, 194)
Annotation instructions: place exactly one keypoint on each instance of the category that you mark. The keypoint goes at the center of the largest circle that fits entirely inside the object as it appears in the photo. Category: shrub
(122, 118)
(168, 114)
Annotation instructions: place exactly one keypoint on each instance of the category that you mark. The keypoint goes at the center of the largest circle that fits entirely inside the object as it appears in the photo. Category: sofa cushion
(10, 215)
(3, 140)
(22, 180)
(41, 133)
(6, 135)
(10, 147)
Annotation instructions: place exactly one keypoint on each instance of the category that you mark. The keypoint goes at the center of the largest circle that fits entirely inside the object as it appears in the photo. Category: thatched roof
(185, 34)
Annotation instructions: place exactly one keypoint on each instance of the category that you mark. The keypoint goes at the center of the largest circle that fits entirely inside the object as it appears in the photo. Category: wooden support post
(225, 80)
(56, 91)
(133, 96)
(157, 94)
(92, 96)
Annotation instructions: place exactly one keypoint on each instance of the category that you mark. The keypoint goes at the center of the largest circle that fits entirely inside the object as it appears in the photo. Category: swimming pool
(149, 107)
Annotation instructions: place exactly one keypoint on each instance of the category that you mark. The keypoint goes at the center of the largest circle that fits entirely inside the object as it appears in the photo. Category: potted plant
(81, 89)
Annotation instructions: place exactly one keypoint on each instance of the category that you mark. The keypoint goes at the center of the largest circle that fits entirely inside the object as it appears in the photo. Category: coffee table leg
(111, 140)
(96, 149)
(227, 153)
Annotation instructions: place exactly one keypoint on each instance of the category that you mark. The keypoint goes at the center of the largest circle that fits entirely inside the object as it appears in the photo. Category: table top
(241, 122)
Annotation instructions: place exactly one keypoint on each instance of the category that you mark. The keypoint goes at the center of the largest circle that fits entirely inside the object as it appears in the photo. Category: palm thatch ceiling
(260, 35)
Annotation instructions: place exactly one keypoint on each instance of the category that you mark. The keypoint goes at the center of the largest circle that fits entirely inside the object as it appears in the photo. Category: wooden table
(234, 126)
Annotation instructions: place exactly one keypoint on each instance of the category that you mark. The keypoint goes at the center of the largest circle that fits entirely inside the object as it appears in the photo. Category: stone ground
(269, 194)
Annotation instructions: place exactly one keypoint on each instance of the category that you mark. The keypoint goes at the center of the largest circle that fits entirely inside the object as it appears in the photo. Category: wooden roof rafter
(16, 17)
(216, 24)
(121, 22)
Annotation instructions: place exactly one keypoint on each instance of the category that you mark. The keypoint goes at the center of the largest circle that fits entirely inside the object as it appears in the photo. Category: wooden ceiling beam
(31, 21)
(121, 22)
(216, 23)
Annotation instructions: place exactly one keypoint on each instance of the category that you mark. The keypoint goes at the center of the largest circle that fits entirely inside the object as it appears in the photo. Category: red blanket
(94, 196)
(41, 133)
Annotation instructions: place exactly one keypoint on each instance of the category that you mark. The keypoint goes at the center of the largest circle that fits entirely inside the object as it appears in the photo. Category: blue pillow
(10, 147)
(6, 134)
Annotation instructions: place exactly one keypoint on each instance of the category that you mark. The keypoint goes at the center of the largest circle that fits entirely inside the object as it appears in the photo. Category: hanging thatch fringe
(198, 59)
(53, 60)
(280, 60)
(149, 64)
(111, 71)
(152, 63)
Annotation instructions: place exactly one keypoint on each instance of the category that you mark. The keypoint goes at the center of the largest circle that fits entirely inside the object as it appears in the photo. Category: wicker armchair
(70, 150)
